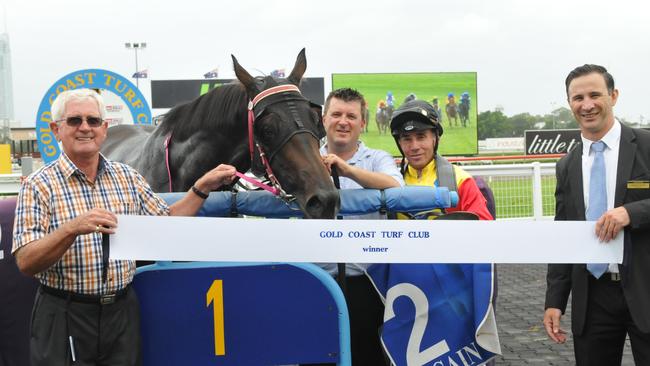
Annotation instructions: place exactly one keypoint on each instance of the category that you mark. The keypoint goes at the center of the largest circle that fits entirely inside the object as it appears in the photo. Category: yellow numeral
(215, 295)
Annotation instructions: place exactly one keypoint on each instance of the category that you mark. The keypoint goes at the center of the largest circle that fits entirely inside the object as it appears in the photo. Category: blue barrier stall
(241, 314)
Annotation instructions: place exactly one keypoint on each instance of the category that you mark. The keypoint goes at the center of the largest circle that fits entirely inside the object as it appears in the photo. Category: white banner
(360, 241)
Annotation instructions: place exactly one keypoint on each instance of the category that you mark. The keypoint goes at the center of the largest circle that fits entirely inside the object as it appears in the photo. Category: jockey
(436, 107)
(410, 97)
(464, 98)
(389, 99)
(451, 99)
(436, 104)
(417, 132)
(381, 105)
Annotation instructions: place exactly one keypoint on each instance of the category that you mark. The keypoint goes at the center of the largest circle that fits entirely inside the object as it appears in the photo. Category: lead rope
(340, 277)
(168, 140)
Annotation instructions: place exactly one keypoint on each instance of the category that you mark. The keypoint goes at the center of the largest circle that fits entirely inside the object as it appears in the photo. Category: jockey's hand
(217, 177)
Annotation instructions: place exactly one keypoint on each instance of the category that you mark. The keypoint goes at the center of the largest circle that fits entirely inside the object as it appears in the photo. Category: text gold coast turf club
(371, 234)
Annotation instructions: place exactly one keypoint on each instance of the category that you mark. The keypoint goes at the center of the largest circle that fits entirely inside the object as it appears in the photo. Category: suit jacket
(633, 163)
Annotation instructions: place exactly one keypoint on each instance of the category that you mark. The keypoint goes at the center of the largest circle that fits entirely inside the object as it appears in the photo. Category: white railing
(9, 184)
(521, 191)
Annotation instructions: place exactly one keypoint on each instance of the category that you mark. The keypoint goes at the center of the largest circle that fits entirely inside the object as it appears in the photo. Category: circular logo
(93, 79)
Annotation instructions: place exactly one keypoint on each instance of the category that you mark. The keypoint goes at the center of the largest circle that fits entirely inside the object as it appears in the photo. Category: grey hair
(58, 106)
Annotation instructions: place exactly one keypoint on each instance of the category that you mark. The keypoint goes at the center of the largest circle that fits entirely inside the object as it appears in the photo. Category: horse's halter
(256, 108)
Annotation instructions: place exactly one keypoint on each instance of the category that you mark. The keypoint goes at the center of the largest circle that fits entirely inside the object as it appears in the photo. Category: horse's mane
(219, 109)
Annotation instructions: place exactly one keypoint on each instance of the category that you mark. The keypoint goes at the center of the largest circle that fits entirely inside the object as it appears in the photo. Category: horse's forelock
(269, 82)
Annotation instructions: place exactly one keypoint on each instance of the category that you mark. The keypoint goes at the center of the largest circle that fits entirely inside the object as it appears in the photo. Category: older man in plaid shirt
(84, 312)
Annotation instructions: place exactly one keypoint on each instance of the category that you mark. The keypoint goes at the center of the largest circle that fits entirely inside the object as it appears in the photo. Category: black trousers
(366, 318)
(607, 324)
(101, 334)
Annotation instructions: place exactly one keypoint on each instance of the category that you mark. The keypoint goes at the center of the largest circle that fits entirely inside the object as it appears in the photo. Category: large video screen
(456, 97)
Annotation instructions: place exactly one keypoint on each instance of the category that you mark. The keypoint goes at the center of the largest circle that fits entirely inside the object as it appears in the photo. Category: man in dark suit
(609, 169)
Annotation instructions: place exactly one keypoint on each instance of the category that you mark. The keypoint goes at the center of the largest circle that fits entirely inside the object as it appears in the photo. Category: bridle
(289, 94)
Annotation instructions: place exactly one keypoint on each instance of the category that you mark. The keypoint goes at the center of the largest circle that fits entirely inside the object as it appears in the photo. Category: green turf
(455, 140)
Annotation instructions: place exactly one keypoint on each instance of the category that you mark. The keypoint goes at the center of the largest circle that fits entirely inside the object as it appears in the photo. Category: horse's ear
(244, 77)
(298, 69)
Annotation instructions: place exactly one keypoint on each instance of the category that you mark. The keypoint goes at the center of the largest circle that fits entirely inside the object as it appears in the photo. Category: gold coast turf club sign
(94, 79)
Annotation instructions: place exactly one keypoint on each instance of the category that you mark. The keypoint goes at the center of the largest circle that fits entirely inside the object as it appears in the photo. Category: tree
(520, 123)
(565, 118)
(492, 124)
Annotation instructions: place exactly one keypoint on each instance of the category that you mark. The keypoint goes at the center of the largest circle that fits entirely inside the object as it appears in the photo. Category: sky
(521, 50)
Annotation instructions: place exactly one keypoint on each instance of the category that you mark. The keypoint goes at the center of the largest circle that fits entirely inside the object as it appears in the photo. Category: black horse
(463, 112)
(213, 130)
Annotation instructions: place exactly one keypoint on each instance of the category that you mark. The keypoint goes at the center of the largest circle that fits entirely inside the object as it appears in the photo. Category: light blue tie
(597, 197)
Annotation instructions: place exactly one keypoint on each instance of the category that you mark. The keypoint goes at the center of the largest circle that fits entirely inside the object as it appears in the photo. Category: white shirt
(375, 161)
(612, 139)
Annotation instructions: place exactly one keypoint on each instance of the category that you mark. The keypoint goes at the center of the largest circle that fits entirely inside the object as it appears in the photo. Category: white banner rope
(360, 241)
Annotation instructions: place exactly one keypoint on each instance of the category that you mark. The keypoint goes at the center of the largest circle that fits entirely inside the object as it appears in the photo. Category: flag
(440, 313)
(277, 73)
(142, 74)
(212, 74)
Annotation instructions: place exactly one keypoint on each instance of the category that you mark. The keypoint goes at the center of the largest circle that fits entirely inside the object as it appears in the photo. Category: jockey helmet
(415, 115)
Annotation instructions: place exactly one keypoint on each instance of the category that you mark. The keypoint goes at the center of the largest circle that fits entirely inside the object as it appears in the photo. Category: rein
(340, 276)
(168, 139)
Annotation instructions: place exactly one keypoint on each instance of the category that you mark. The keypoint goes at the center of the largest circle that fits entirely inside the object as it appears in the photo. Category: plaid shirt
(59, 192)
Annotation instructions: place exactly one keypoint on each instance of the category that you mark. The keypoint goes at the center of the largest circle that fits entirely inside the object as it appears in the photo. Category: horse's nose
(323, 204)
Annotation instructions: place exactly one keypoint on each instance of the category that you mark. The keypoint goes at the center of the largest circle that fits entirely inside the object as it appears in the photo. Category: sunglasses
(77, 121)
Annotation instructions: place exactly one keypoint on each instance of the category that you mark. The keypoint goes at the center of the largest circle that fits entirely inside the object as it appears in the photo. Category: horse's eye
(268, 131)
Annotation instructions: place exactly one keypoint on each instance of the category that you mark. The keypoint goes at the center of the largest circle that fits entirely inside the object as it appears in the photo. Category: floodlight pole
(135, 46)
(553, 112)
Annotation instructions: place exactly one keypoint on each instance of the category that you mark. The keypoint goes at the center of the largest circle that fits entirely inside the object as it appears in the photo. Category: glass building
(6, 86)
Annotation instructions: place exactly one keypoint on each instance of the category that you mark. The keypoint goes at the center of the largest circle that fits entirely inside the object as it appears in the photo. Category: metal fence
(521, 191)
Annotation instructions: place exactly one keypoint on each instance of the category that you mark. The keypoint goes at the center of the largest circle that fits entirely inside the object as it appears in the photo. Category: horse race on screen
(453, 94)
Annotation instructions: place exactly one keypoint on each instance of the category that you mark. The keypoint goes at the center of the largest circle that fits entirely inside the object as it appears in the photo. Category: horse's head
(288, 129)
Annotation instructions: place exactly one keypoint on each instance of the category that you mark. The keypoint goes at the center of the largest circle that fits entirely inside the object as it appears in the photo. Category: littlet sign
(94, 79)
